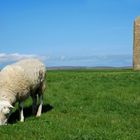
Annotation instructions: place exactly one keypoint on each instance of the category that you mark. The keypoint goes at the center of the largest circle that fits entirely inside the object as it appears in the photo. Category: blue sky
(68, 32)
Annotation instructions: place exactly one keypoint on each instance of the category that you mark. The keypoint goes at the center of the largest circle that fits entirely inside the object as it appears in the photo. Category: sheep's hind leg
(40, 96)
(40, 106)
(21, 111)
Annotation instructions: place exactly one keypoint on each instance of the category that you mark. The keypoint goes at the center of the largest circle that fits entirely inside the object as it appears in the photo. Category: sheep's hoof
(38, 115)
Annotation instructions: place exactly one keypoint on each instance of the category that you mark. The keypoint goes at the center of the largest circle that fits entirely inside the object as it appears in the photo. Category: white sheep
(19, 81)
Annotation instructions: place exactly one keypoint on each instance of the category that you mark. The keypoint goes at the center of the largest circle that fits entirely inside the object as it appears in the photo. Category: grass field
(83, 105)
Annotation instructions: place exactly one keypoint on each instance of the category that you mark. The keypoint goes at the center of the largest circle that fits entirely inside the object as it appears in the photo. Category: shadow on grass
(27, 113)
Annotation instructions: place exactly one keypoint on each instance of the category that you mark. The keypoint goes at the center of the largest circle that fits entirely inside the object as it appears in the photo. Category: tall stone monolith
(136, 47)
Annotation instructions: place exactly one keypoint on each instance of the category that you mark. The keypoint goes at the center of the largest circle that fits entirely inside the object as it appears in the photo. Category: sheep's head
(5, 110)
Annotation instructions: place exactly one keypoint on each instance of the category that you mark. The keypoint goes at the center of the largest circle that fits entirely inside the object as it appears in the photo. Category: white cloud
(4, 57)
(8, 58)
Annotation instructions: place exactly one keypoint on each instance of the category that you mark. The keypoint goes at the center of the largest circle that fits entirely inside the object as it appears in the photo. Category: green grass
(83, 105)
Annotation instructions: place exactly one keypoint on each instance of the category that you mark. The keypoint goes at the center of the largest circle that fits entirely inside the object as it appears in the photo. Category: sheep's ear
(10, 106)
(7, 104)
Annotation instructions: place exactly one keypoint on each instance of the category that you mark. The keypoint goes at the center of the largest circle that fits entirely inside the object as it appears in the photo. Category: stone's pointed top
(137, 19)
(136, 56)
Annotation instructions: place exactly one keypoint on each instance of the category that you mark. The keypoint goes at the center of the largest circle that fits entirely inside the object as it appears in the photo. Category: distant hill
(85, 67)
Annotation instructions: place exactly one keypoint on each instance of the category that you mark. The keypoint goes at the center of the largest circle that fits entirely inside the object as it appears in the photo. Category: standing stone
(136, 51)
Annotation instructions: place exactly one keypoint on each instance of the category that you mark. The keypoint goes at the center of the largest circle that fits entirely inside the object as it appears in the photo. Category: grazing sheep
(19, 81)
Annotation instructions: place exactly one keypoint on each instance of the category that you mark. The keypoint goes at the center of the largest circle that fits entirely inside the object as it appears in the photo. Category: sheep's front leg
(40, 106)
(21, 111)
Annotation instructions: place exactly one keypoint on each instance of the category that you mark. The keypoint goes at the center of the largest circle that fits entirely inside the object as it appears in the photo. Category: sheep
(18, 81)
